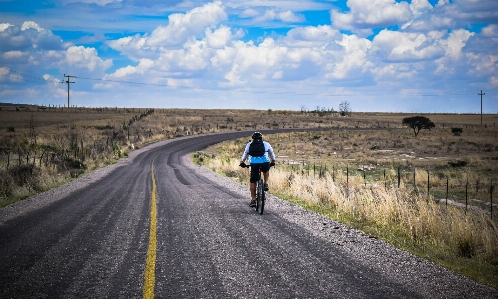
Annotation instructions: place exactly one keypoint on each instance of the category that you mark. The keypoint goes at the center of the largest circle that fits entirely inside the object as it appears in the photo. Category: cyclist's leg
(252, 187)
(265, 168)
(253, 178)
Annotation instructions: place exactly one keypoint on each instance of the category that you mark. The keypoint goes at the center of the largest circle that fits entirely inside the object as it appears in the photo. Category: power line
(56, 88)
(265, 92)
(252, 91)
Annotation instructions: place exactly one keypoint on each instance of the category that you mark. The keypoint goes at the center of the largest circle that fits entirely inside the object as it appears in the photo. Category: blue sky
(379, 55)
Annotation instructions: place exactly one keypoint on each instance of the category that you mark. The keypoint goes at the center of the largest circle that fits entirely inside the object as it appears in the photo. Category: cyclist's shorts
(255, 170)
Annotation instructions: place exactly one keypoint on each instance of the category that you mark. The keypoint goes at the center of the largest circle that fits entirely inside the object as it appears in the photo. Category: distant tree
(345, 108)
(418, 123)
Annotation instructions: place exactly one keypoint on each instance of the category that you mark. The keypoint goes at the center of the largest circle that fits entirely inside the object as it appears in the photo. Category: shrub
(457, 163)
(70, 163)
(457, 131)
(21, 174)
(6, 184)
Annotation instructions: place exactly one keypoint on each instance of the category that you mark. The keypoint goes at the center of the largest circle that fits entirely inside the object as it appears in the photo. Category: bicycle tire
(259, 194)
(263, 199)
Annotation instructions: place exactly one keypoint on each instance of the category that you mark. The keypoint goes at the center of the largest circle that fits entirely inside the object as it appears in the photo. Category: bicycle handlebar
(249, 165)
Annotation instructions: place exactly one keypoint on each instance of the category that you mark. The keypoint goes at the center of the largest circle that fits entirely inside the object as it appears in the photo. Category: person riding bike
(261, 156)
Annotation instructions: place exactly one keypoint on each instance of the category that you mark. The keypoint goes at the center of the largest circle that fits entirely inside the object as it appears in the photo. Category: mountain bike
(260, 197)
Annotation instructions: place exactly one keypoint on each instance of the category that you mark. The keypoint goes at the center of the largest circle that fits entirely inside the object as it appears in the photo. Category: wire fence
(466, 191)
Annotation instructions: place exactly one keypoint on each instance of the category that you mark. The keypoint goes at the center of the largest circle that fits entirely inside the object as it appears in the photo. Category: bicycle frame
(260, 197)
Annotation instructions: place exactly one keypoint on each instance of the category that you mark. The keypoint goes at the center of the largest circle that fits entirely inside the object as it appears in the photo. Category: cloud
(132, 46)
(81, 58)
(494, 81)
(456, 41)
(218, 38)
(371, 14)
(182, 27)
(420, 7)
(143, 66)
(353, 56)
(490, 31)
(98, 2)
(249, 13)
(29, 36)
(398, 46)
(286, 16)
(311, 36)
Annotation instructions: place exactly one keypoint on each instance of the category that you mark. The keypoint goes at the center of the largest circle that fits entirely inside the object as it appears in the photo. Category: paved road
(91, 239)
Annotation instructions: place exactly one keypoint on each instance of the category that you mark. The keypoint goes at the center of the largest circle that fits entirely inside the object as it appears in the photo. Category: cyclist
(261, 156)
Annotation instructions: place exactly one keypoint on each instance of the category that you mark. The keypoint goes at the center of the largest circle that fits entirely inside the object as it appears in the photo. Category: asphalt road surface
(155, 225)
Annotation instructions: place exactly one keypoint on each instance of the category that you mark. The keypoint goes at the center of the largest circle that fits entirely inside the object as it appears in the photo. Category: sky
(378, 55)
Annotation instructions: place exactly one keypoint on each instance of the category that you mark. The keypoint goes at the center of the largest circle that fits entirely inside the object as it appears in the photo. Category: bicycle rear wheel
(259, 195)
(263, 199)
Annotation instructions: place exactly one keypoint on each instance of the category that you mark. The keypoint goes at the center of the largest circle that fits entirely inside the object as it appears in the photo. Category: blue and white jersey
(267, 157)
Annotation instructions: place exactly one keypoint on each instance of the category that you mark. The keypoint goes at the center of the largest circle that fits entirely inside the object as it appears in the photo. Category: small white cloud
(490, 30)
(494, 81)
(98, 2)
(104, 86)
(371, 13)
(12, 55)
(249, 13)
(143, 66)
(289, 16)
(4, 26)
(30, 24)
(311, 36)
(443, 2)
(275, 15)
(278, 75)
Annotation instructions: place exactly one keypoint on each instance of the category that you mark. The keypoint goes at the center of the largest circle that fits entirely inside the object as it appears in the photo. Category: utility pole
(68, 81)
(481, 94)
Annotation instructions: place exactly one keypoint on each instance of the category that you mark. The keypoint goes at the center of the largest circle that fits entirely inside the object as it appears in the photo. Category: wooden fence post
(414, 181)
(466, 194)
(491, 198)
(428, 185)
(447, 188)
(399, 177)
(385, 181)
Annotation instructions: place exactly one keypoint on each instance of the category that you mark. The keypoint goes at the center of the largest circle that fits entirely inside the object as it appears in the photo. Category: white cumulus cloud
(371, 14)
(182, 27)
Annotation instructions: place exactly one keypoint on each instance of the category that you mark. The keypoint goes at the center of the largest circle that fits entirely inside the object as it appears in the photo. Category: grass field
(42, 147)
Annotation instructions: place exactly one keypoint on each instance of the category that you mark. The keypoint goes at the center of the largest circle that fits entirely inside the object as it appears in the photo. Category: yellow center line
(150, 265)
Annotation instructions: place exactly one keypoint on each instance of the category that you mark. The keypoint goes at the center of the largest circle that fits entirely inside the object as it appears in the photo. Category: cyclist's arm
(271, 154)
(246, 153)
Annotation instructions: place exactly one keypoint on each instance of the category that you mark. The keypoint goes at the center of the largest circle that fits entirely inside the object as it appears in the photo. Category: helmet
(257, 135)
